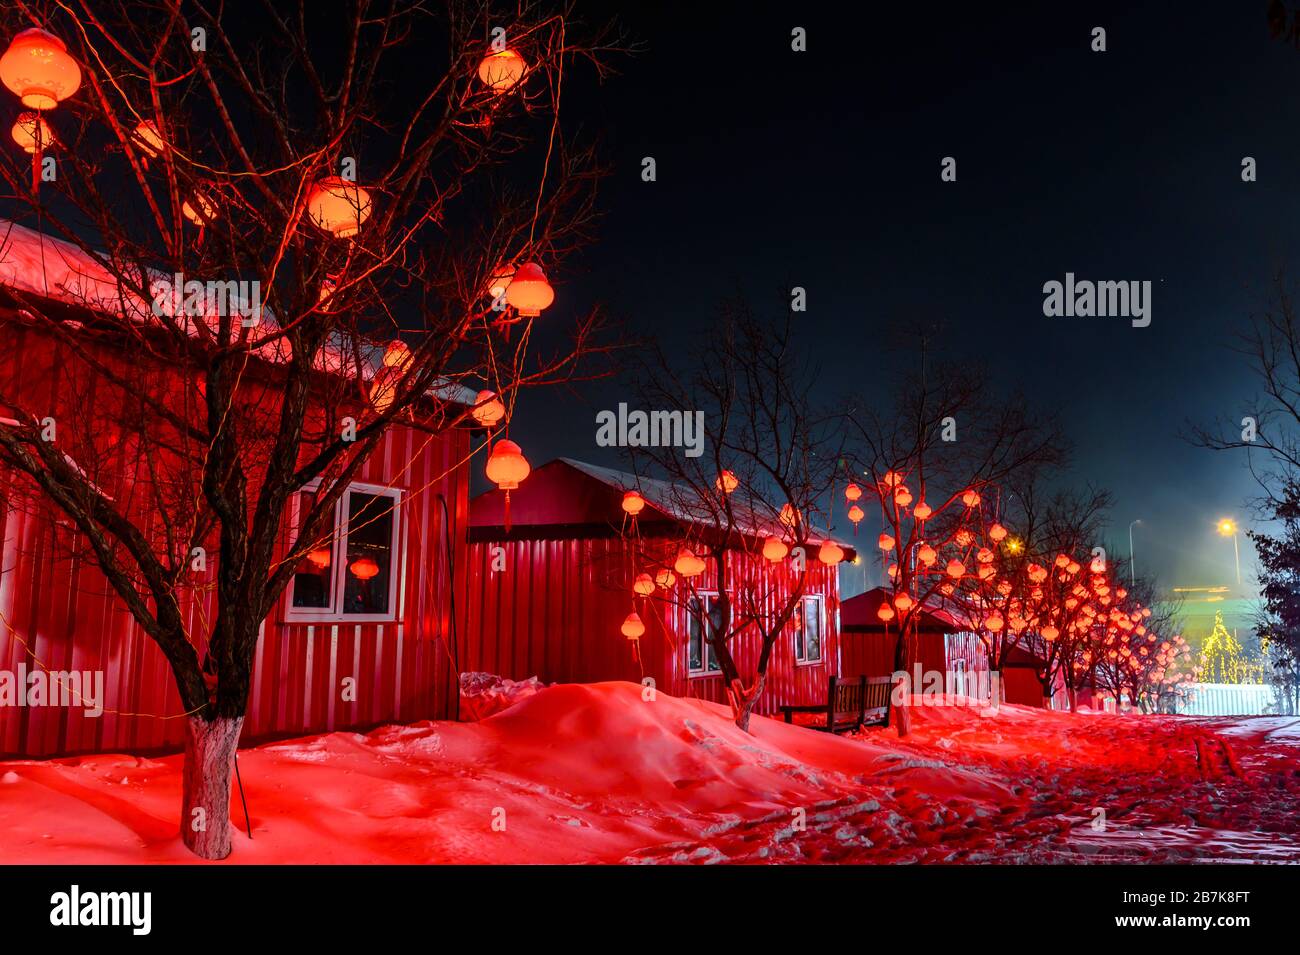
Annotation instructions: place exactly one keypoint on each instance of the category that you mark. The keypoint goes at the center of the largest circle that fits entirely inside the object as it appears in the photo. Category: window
(701, 660)
(360, 587)
(808, 618)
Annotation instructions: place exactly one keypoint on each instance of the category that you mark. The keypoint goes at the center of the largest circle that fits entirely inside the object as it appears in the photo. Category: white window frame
(801, 655)
(338, 582)
(704, 596)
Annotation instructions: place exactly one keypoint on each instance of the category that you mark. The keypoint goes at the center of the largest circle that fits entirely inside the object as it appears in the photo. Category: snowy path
(595, 773)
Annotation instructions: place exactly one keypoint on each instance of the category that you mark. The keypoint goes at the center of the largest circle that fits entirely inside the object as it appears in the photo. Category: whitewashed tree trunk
(205, 803)
(743, 701)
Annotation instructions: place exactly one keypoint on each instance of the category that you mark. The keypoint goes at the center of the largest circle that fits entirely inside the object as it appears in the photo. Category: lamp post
(1228, 528)
(1132, 563)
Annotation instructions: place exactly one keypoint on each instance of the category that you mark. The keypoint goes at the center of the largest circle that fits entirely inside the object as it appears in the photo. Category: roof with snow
(60, 271)
(859, 615)
(569, 498)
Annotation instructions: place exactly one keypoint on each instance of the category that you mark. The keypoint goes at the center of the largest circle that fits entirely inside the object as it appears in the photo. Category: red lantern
(502, 70)
(775, 549)
(922, 511)
(885, 542)
(789, 516)
(38, 68)
(955, 569)
(529, 292)
(852, 493)
(688, 565)
(856, 514)
(320, 557)
(500, 281)
(32, 133)
(364, 569)
(632, 626)
(665, 579)
(903, 602)
(339, 206)
(488, 409)
(383, 388)
(506, 468)
(997, 532)
(927, 555)
(506, 465)
(199, 210)
(146, 137)
(885, 613)
(633, 503)
(970, 498)
(727, 482)
(397, 354)
(643, 585)
(994, 623)
(830, 553)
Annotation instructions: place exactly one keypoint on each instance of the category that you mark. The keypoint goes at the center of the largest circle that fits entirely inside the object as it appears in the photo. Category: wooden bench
(847, 703)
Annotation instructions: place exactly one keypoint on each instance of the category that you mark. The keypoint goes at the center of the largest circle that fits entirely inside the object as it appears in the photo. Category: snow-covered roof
(682, 503)
(63, 272)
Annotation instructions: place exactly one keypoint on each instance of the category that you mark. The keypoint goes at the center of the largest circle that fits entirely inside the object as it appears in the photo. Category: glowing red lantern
(902, 497)
(500, 281)
(633, 503)
(320, 557)
(384, 387)
(955, 569)
(146, 137)
(38, 68)
(643, 585)
(397, 354)
(885, 613)
(927, 555)
(665, 579)
(488, 409)
(364, 568)
(529, 292)
(727, 482)
(789, 516)
(775, 549)
(502, 70)
(632, 626)
(994, 623)
(892, 478)
(507, 466)
(922, 511)
(32, 133)
(852, 493)
(885, 542)
(902, 602)
(984, 555)
(688, 565)
(830, 553)
(997, 532)
(199, 210)
(339, 206)
(1062, 561)
(856, 514)
(970, 498)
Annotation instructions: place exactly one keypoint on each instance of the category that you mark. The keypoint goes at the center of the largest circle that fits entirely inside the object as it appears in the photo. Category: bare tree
(373, 182)
(944, 440)
(766, 471)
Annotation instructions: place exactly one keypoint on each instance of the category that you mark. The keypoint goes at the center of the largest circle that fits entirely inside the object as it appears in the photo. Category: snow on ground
(594, 773)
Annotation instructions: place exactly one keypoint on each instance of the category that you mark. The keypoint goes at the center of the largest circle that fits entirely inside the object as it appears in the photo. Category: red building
(335, 654)
(547, 597)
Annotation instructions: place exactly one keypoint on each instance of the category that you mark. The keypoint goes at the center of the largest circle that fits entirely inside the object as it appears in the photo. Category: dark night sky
(821, 169)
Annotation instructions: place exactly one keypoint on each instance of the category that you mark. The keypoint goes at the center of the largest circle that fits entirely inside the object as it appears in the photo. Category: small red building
(547, 597)
(58, 614)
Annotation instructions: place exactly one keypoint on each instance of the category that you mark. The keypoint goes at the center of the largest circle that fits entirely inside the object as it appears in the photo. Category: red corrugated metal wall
(553, 608)
(57, 610)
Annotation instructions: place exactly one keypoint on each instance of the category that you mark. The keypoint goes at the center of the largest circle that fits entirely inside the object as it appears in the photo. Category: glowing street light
(1228, 528)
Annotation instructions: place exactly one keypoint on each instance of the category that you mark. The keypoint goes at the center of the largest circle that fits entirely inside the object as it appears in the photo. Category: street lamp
(1228, 528)
(1132, 563)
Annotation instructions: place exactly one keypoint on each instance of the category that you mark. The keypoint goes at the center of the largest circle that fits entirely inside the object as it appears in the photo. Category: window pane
(798, 630)
(311, 579)
(813, 629)
(370, 553)
(694, 642)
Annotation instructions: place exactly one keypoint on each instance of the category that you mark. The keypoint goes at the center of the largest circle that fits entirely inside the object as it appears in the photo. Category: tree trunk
(205, 803)
(996, 693)
(1074, 699)
(743, 702)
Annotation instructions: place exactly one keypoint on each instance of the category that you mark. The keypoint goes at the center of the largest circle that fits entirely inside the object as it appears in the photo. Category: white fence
(1229, 699)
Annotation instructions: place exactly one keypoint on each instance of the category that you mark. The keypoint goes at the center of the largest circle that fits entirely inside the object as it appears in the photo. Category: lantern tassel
(507, 512)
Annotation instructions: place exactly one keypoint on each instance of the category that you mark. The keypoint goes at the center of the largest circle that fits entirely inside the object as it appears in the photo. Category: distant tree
(1278, 625)
(766, 472)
